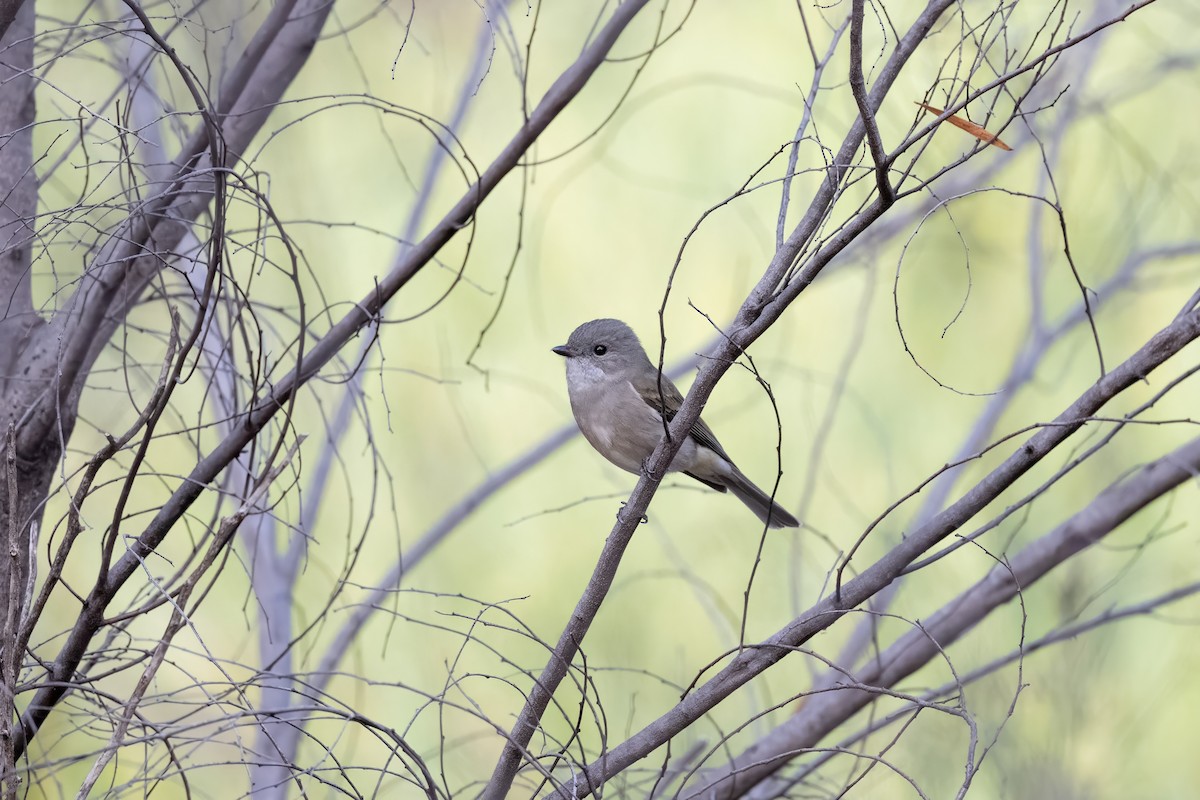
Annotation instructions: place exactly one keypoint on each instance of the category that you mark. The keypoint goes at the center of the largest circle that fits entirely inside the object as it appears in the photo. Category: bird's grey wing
(666, 401)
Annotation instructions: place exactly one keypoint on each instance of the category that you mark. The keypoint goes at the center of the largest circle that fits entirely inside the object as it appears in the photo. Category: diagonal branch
(755, 660)
(275, 572)
(58, 358)
(744, 331)
(564, 89)
(1144, 608)
(180, 614)
(1108, 511)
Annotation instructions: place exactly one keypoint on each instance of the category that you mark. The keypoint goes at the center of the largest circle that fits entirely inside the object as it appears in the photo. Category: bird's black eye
(599, 349)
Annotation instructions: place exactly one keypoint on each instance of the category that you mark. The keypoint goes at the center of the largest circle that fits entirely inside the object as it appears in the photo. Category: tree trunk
(27, 475)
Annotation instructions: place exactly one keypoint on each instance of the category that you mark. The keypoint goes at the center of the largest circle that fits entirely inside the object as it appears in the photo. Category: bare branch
(179, 615)
(1111, 507)
(858, 87)
(753, 661)
(209, 467)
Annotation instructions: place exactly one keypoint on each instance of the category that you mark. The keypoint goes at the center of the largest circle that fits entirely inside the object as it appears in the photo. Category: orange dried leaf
(978, 132)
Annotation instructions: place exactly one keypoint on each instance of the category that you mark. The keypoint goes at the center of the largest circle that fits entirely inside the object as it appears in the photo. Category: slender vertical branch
(858, 87)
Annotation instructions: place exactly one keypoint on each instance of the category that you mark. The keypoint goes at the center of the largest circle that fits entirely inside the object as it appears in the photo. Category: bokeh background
(461, 381)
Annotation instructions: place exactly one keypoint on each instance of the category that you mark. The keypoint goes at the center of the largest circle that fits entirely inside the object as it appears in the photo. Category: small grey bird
(616, 398)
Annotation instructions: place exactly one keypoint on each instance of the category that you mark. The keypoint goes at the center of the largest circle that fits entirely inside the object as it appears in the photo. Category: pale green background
(1108, 716)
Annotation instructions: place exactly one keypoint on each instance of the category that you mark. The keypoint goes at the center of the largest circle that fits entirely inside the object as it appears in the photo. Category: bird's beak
(563, 350)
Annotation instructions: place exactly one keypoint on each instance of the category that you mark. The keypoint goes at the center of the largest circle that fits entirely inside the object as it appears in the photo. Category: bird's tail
(759, 501)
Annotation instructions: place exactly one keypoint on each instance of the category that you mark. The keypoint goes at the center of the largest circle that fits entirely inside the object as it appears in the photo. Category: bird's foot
(621, 515)
(647, 472)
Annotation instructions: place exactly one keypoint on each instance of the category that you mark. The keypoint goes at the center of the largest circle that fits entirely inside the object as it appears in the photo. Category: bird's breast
(617, 422)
